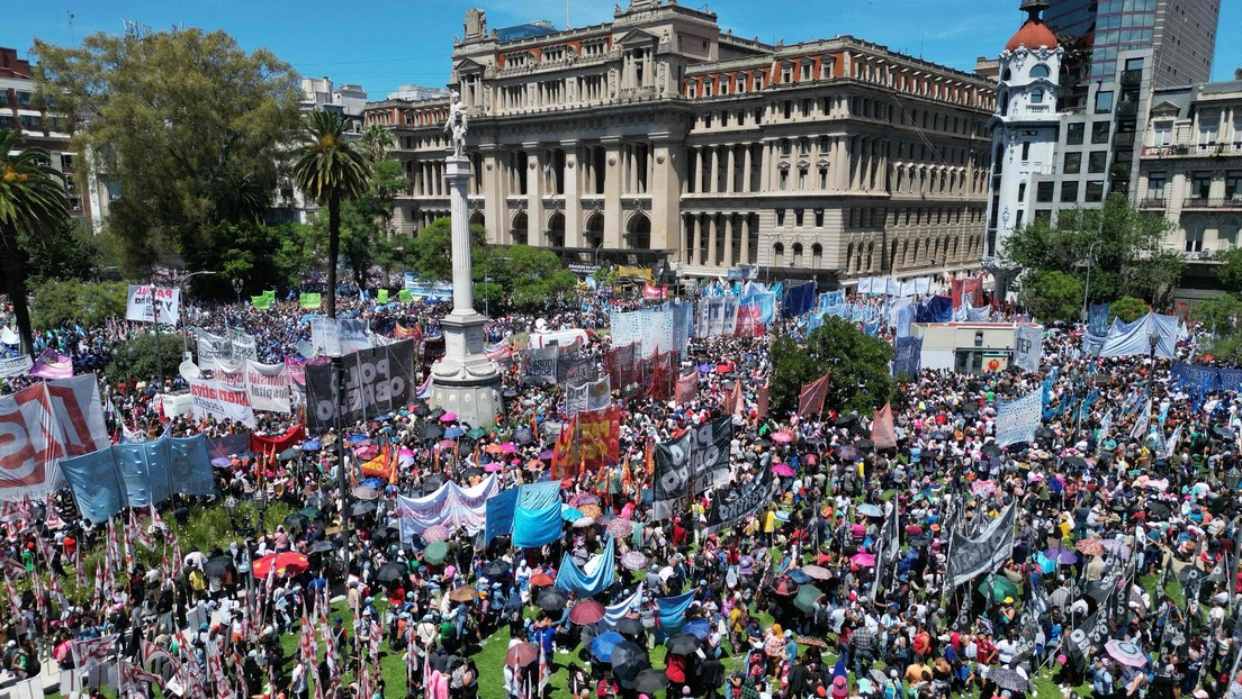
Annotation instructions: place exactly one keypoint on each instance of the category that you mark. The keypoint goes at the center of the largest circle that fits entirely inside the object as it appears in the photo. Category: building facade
(1191, 172)
(657, 138)
(89, 194)
(1025, 126)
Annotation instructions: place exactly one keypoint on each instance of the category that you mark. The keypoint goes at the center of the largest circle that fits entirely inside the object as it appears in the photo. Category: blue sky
(385, 43)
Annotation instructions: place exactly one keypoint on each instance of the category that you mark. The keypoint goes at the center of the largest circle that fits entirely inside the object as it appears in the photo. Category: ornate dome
(1033, 34)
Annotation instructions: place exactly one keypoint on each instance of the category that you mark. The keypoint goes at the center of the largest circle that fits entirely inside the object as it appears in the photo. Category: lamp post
(237, 288)
(1086, 290)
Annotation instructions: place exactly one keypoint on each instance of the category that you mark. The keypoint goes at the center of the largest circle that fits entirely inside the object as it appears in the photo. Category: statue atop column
(457, 124)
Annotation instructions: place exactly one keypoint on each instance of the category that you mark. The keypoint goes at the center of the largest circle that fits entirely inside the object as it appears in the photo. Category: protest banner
(139, 304)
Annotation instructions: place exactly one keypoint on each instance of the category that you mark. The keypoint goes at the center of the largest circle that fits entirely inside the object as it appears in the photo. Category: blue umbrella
(357, 438)
(570, 514)
(699, 628)
(374, 482)
(310, 445)
(799, 577)
(602, 645)
(453, 432)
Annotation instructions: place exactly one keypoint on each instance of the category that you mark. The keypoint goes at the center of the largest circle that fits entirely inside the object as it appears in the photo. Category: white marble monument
(465, 381)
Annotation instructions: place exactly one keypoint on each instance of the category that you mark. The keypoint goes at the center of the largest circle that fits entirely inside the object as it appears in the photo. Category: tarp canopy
(537, 517)
(449, 506)
(593, 578)
(673, 613)
(499, 514)
(138, 475)
(1135, 338)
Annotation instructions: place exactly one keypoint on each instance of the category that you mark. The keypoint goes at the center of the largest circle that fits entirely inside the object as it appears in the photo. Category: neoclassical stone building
(656, 137)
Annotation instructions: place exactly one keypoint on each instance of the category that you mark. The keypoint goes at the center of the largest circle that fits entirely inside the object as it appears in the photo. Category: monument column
(465, 381)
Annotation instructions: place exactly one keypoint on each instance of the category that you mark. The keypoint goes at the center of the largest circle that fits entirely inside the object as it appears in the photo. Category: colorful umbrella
(289, 561)
(620, 527)
(522, 654)
(863, 559)
(435, 533)
(541, 580)
(449, 416)
(586, 612)
(435, 552)
(783, 437)
(602, 645)
(995, 588)
(592, 511)
(1126, 653)
(464, 594)
(1090, 547)
(817, 572)
(1061, 556)
(633, 560)
(783, 470)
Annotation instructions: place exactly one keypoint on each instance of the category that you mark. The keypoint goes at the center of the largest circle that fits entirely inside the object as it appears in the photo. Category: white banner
(1028, 347)
(218, 353)
(268, 386)
(1017, 420)
(336, 338)
(138, 306)
(217, 400)
(178, 404)
(43, 423)
(15, 366)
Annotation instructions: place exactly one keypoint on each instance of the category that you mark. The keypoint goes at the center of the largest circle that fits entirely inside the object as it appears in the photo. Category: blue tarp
(614, 612)
(537, 517)
(592, 578)
(903, 317)
(138, 475)
(500, 508)
(907, 356)
(673, 612)
(798, 299)
(1131, 339)
(937, 309)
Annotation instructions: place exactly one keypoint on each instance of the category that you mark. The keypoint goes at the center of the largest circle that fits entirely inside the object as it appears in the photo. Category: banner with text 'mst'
(42, 424)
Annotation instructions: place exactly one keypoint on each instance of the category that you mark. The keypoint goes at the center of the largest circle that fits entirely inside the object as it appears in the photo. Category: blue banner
(593, 577)
(1097, 319)
(673, 613)
(798, 299)
(500, 509)
(907, 356)
(138, 475)
(537, 516)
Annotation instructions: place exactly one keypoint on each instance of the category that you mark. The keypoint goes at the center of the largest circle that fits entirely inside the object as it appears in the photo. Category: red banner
(687, 387)
(274, 444)
(883, 432)
(654, 293)
(812, 396)
(589, 441)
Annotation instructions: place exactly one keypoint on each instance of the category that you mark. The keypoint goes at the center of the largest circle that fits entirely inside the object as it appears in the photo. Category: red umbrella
(783, 437)
(287, 562)
(783, 470)
(521, 655)
(586, 612)
(784, 587)
(540, 580)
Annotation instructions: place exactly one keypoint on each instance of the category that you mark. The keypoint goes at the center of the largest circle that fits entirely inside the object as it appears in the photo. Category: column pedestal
(465, 381)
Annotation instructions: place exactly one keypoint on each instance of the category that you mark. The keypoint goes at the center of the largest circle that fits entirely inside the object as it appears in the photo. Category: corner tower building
(1025, 126)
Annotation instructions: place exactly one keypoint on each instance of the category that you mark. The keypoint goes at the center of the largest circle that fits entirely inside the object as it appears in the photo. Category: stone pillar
(493, 197)
(612, 192)
(713, 231)
(730, 232)
(746, 239)
(746, 168)
(535, 223)
(714, 181)
(732, 168)
(465, 381)
(664, 184)
(573, 186)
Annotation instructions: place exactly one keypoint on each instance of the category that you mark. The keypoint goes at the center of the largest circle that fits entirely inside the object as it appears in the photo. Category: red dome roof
(1032, 35)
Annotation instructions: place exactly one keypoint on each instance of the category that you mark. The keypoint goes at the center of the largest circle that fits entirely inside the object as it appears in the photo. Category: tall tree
(330, 170)
(858, 364)
(32, 200)
(190, 125)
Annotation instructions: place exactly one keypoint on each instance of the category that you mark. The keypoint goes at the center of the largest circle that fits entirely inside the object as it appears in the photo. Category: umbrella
(627, 652)
(586, 612)
(322, 547)
(807, 596)
(435, 533)
(1126, 653)
(1061, 556)
(496, 569)
(390, 572)
(699, 628)
(287, 561)
(784, 587)
(870, 510)
(783, 437)
(221, 462)
(649, 681)
(783, 470)
(464, 594)
(448, 416)
(476, 433)
(296, 520)
(629, 626)
(541, 580)
(620, 528)
(310, 445)
(435, 552)
(1007, 678)
(493, 449)
(798, 576)
(366, 453)
(590, 511)
(583, 499)
(583, 522)
(602, 645)
(1090, 547)
(364, 492)
(453, 432)
(552, 600)
(522, 435)
(627, 672)
(521, 655)
(682, 644)
(996, 588)
(289, 454)
(432, 432)
(361, 509)
(218, 567)
(817, 572)
(863, 559)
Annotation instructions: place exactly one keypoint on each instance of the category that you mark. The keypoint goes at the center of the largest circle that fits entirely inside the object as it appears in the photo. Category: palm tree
(330, 169)
(376, 140)
(32, 198)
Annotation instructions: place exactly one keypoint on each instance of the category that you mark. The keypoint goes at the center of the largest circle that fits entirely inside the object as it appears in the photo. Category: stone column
(746, 168)
(715, 176)
(713, 231)
(730, 232)
(573, 186)
(493, 197)
(612, 192)
(732, 168)
(746, 239)
(664, 184)
(535, 223)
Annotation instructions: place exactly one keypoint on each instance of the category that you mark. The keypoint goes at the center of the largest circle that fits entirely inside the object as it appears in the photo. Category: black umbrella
(297, 521)
(629, 627)
(628, 652)
(361, 509)
(650, 681)
(552, 601)
(322, 547)
(496, 569)
(1075, 462)
(390, 572)
(218, 567)
(1008, 678)
(421, 409)
(628, 671)
(682, 644)
(432, 432)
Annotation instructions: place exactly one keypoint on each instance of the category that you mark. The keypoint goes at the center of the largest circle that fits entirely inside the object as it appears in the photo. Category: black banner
(623, 370)
(540, 365)
(574, 366)
(730, 507)
(691, 464)
(970, 557)
(377, 380)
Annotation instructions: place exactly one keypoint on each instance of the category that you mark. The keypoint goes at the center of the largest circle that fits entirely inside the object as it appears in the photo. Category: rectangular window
(798, 214)
(1162, 133)
(1044, 192)
(1037, 96)
(1073, 163)
(1155, 185)
(1202, 186)
(1097, 161)
(1044, 215)
(1017, 220)
(1022, 192)
(1104, 102)
(1069, 192)
(1233, 186)
(1099, 132)
(1209, 125)
(1194, 240)
(1074, 134)
(788, 108)
(1095, 191)
(1026, 151)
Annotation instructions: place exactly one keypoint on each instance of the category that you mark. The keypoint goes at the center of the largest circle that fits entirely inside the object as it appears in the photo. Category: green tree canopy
(187, 122)
(141, 357)
(1220, 314)
(1128, 309)
(1125, 248)
(1051, 295)
(528, 277)
(63, 301)
(858, 362)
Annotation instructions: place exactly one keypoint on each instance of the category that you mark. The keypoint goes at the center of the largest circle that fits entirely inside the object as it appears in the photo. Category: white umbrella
(1126, 653)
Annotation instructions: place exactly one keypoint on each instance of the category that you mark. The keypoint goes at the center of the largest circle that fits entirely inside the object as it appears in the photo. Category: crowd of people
(1119, 579)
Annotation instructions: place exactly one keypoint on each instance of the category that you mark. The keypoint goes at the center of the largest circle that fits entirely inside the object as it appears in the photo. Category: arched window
(1040, 70)
(519, 231)
(797, 254)
(849, 257)
(778, 252)
(817, 255)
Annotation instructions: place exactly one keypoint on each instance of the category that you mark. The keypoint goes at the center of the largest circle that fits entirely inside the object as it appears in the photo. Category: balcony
(1130, 78)
(1127, 108)
(1153, 203)
(1206, 150)
(1233, 203)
